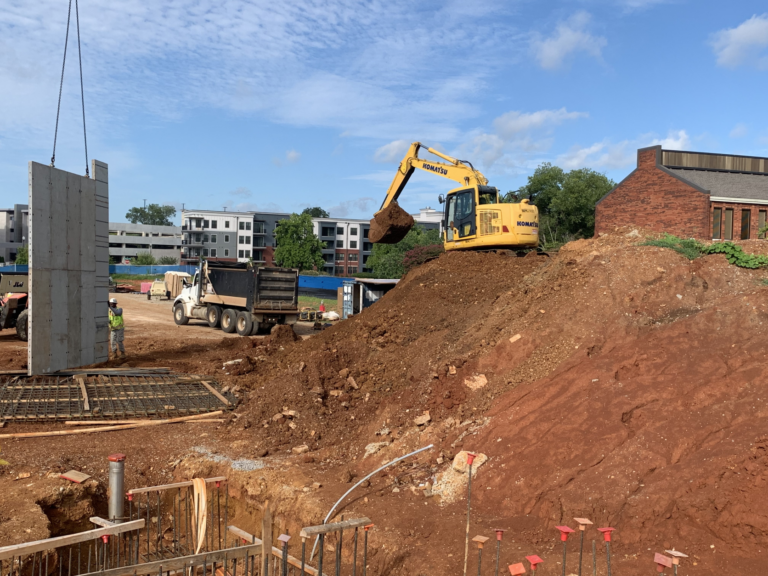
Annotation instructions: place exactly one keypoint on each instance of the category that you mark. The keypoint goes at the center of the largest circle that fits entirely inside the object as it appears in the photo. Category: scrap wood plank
(51, 543)
(216, 393)
(176, 485)
(74, 476)
(107, 428)
(138, 421)
(86, 405)
(250, 538)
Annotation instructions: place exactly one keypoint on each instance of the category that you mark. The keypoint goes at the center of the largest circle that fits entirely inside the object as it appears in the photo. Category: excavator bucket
(390, 225)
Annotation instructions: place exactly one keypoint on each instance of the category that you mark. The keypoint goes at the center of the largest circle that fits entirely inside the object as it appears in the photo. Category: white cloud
(640, 4)
(351, 207)
(569, 37)
(511, 123)
(736, 46)
(291, 157)
(606, 155)
(739, 131)
(392, 152)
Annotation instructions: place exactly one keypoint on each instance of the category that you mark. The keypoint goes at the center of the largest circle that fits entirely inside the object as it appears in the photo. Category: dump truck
(14, 303)
(239, 297)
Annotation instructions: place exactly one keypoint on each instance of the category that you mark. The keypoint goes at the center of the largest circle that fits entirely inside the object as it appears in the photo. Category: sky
(276, 106)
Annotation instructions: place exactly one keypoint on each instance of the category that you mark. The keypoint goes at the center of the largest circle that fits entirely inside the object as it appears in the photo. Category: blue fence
(15, 268)
(321, 282)
(148, 270)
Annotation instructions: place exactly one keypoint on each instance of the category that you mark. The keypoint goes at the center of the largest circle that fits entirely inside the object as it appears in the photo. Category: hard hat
(113, 300)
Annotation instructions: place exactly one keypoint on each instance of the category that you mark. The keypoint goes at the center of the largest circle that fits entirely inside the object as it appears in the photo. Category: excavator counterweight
(474, 217)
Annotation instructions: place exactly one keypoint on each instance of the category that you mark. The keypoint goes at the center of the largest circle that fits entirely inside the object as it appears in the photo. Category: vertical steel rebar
(320, 555)
(159, 543)
(285, 558)
(218, 509)
(354, 555)
(479, 559)
(469, 507)
(581, 548)
(498, 552)
(565, 543)
(608, 555)
(365, 553)
(148, 524)
(226, 512)
(338, 554)
(594, 558)
(303, 554)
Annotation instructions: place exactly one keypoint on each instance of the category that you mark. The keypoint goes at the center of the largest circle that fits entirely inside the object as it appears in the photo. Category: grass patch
(312, 302)
(689, 247)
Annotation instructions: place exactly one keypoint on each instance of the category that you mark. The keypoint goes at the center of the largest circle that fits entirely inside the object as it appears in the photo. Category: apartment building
(14, 230)
(127, 240)
(229, 236)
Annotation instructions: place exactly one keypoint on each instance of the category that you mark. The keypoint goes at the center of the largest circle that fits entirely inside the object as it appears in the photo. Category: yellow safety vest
(115, 321)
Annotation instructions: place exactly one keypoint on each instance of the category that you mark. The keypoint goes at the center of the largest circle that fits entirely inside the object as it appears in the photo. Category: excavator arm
(391, 223)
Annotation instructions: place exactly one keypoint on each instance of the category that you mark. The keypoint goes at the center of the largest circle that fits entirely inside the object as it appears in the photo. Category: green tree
(316, 212)
(144, 259)
(167, 261)
(566, 201)
(22, 255)
(386, 260)
(154, 215)
(297, 245)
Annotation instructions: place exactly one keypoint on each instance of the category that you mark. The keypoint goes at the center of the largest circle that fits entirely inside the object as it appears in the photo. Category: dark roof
(727, 184)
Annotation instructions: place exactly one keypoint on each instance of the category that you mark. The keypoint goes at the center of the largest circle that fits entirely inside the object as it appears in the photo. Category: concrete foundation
(68, 268)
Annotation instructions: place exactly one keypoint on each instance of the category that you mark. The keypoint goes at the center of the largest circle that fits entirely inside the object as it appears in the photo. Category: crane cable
(61, 85)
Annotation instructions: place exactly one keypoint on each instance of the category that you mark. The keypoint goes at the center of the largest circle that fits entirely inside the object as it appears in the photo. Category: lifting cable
(61, 85)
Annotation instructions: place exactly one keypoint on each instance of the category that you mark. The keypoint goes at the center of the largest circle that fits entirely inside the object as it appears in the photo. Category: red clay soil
(390, 225)
(635, 396)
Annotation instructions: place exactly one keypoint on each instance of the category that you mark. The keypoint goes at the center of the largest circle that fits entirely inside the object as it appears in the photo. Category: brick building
(689, 194)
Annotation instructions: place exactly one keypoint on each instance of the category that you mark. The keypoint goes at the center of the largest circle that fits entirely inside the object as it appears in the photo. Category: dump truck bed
(257, 289)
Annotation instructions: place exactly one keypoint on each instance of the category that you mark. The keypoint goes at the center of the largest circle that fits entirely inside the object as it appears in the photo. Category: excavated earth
(613, 381)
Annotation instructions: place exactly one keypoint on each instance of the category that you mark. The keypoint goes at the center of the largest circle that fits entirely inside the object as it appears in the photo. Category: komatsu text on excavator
(473, 218)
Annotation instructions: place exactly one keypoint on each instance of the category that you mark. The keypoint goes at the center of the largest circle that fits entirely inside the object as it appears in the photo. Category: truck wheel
(228, 320)
(213, 315)
(22, 327)
(179, 316)
(244, 323)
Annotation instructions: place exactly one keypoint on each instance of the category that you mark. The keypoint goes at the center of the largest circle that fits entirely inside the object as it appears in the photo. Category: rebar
(581, 548)
(608, 556)
(565, 546)
(594, 558)
(479, 559)
(498, 551)
(320, 554)
(354, 555)
(469, 507)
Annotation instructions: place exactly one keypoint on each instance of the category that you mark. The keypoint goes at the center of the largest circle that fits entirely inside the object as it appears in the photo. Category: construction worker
(116, 328)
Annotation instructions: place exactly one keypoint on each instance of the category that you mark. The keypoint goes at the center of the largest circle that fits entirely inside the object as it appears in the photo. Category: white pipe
(333, 508)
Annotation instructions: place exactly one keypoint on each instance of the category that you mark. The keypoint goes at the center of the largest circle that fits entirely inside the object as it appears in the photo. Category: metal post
(320, 555)
(565, 546)
(365, 552)
(479, 559)
(470, 458)
(354, 556)
(303, 553)
(608, 555)
(581, 547)
(116, 488)
(499, 534)
(594, 558)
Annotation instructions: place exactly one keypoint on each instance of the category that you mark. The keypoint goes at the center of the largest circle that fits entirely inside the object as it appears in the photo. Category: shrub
(689, 247)
(168, 261)
(421, 254)
(737, 256)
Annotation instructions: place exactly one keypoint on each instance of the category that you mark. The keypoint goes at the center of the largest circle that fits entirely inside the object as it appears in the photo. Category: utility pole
(145, 203)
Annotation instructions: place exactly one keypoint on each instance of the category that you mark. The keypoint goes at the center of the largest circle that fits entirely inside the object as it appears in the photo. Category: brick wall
(754, 220)
(653, 199)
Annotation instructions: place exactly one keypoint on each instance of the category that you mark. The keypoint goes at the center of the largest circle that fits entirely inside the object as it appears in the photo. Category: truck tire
(179, 316)
(228, 320)
(244, 323)
(22, 326)
(213, 315)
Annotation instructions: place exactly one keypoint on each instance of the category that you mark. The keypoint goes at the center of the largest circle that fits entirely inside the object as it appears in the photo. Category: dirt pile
(614, 381)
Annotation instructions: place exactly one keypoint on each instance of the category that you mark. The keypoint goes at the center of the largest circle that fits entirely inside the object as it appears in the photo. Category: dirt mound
(390, 225)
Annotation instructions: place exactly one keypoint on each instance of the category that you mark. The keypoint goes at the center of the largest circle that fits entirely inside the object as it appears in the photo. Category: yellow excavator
(474, 217)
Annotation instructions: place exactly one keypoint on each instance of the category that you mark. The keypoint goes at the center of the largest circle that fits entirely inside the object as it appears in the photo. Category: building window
(247, 225)
(353, 231)
(241, 254)
(351, 269)
(213, 252)
(226, 252)
(339, 257)
(214, 223)
(247, 239)
(226, 237)
(329, 245)
(353, 243)
(226, 223)
(367, 246)
(213, 238)
(247, 253)
(205, 237)
(198, 238)
(365, 232)
(717, 222)
(746, 217)
(205, 223)
(761, 222)
(205, 251)
(352, 257)
(242, 225)
(339, 271)
(258, 228)
(728, 224)
(328, 258)
(327, 231)
(259, 241)
(339, 231)
(365, 260)
(339, 243)
(257, 256)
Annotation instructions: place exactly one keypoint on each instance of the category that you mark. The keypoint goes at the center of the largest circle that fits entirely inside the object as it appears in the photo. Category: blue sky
(279, 105)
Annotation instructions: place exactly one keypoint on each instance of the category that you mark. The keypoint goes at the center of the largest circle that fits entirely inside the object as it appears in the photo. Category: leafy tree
(154, 215)
(144, 259)
(386, 260)
(22, 255)
(297, 245)
(566, 201)
(316, 212)
(168, 261)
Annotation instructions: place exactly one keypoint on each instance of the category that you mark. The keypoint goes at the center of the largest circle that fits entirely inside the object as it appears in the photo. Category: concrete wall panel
(69, 269)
